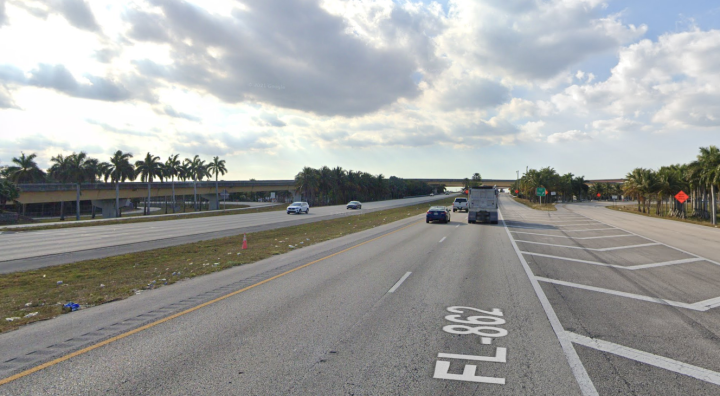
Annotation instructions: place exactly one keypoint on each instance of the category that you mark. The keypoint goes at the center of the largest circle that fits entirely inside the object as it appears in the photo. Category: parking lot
(641, 314)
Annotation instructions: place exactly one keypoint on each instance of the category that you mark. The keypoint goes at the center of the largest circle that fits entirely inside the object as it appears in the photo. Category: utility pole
(517, 182)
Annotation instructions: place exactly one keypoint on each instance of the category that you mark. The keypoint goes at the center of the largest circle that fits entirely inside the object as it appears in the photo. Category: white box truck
(483, 205)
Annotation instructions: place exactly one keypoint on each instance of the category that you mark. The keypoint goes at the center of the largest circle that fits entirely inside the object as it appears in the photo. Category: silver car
(298, 207)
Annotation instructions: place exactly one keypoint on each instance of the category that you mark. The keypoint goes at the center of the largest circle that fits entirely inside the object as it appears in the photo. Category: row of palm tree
(326, 186)
(568, 187)
(699, 179)
(78, 168)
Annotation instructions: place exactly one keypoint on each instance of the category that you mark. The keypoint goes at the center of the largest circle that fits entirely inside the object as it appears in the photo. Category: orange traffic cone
(244, 241)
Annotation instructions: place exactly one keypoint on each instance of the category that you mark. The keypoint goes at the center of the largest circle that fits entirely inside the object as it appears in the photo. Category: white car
(460, 204)
(298, 207)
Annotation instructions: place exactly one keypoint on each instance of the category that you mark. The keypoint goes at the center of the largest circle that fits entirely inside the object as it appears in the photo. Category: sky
(414, 89)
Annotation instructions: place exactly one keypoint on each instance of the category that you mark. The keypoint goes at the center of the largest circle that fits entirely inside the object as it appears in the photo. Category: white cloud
(533, 40)
(569, 136)
(674, 80)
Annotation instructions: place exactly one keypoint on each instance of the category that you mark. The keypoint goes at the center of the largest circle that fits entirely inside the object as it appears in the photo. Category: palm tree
(119, 169)
(195, 167)
(476, 180)
(8, 192)
(149, 168)
(184, 173)
(217, 166)
(25, 170)
(709, 161)
(172, 169)
(80, 169)
(306, 181)
(59, 172)
(339, 182)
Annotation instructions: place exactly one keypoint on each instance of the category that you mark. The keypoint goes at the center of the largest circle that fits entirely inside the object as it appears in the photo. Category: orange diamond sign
(681, 196)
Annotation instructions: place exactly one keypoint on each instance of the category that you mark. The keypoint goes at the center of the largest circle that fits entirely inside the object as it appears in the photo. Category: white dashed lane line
(392, 290)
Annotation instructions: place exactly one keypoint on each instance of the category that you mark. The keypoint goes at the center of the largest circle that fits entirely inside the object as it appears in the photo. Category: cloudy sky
(405, 88)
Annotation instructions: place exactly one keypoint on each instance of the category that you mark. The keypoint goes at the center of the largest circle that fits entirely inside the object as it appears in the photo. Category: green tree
(59, 172)
(148, 169)
(119, 169)
(196, 170)
(708, 161)
(172, 169)
(25, 170)
(307, 182)
(217, 167)
(9, 192)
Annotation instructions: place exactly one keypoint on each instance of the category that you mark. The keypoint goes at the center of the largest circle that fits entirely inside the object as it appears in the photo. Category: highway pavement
(410, 309)
(36, 249)
(582, 301)
(637, 297)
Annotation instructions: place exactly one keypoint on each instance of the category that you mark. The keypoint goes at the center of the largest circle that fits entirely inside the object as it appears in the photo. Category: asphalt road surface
(579, 301)
(36, 249)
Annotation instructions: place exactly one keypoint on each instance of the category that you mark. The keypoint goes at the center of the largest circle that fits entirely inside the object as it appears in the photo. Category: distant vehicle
(354, 205)
(432, 195)
(447, 192)
(298, 207)
(438, 213)
(460, 204)
(483, 205)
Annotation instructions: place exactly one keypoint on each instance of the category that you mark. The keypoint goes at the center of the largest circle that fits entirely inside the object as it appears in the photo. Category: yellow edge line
(177, 315)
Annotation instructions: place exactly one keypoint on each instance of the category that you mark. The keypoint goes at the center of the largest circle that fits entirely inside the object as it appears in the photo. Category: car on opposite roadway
(354, 205)
(460, 204)
(438, 213)
(298, 207)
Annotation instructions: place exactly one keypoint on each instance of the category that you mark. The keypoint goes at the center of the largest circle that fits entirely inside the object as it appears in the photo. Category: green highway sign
(540, 191)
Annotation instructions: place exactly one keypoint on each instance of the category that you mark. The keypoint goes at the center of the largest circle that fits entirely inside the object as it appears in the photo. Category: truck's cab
(483, 204)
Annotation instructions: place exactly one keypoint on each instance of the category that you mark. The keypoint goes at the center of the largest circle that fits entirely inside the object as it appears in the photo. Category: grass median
(533, 205)
(143, 219)
(35, 295)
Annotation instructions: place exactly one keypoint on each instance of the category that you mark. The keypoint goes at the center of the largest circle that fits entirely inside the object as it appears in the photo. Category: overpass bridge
(103, 195)
(501, 183)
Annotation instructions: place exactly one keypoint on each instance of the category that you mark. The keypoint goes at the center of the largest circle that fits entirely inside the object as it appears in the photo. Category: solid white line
(591, 249)
(441, 241)
(647, 358)
(649, 239)
(563, 236)
(553, 229)
(392, 290)
(709, 304)
(656, 300)
(626, 267)
(581, 376)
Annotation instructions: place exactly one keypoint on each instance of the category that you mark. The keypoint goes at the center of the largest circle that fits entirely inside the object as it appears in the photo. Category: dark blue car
(354, 205)
(438, 213)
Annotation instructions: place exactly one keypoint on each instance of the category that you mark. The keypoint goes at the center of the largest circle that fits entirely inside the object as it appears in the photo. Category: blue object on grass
(72, 306)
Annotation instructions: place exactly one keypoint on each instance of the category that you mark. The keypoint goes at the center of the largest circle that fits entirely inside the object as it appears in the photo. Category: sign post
(682, 197)
(540, 192)
(224, 195)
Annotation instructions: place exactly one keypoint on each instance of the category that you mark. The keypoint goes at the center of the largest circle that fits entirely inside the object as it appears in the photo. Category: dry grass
(95, 282)
(532, 205)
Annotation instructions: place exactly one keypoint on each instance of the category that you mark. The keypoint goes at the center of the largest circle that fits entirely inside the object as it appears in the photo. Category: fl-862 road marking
(484, 326)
